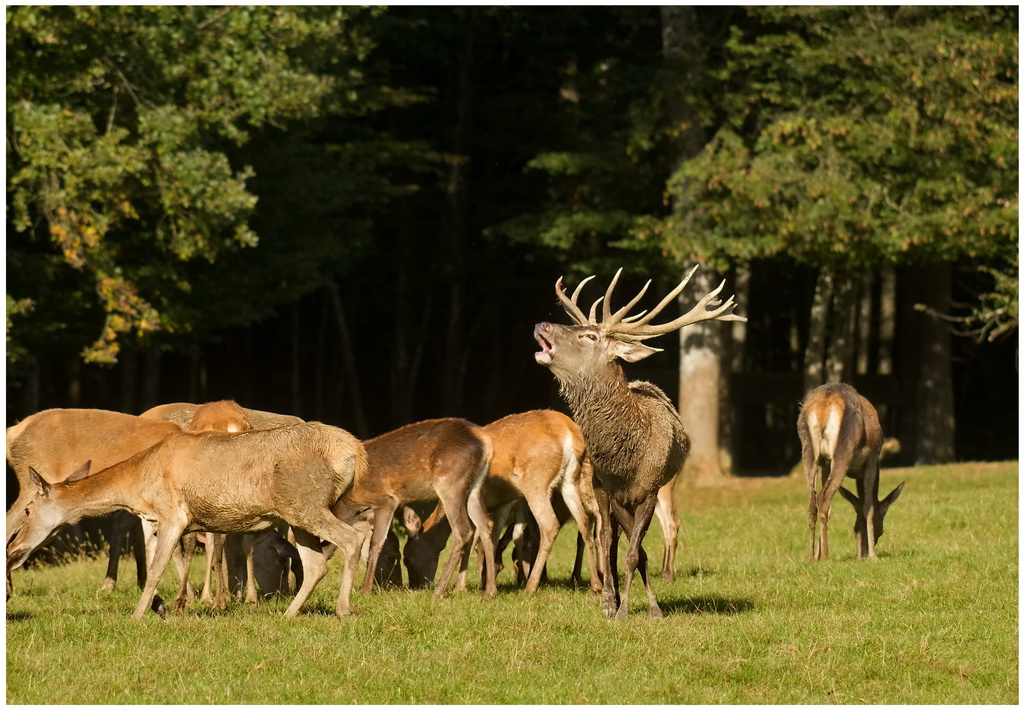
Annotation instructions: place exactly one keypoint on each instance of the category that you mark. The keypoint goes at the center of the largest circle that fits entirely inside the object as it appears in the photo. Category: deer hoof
(107, 586)
(656, 612)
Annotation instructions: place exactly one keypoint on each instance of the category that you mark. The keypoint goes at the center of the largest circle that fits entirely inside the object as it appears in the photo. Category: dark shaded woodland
(414, 209)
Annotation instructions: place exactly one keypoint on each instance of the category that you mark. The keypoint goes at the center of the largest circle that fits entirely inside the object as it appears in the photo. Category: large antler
(638, 327)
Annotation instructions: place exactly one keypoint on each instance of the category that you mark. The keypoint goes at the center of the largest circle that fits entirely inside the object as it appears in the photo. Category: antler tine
(606, 310)
(668, 298)
(700, 312)
(570, 305)
(593, 310)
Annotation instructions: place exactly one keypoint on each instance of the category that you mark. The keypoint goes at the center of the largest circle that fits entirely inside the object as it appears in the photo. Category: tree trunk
(700, 345)
(455, 355)
(348, 362)
(864, 326)
(814, 353)
(839, 364)
(936, 425)
(296, 364)
(699, 372)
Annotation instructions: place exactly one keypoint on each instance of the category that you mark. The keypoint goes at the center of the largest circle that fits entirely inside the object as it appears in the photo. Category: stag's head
(44, 515)
(860, 528)
(590, 343)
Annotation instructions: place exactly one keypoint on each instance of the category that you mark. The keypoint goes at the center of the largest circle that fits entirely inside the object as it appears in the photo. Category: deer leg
(547, 523)
(462, 539)
(608, 532)
(248, 543)
(481, 520)
(166, 542)
(635, 556)
(381, 525)
(220, 562)
(189, 541)
(179, 564)
(810, 467)
(149, 540)
(870, 501)
(669, 519)
(314, 567)
(207, 595)
(574, 503)
(116, 536)
(346, 537)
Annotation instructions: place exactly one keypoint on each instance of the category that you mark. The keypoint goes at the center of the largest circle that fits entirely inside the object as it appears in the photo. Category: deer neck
(601, 395)
(101, 494)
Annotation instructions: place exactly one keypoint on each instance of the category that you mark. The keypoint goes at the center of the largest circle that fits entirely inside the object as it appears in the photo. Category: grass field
(748, 620)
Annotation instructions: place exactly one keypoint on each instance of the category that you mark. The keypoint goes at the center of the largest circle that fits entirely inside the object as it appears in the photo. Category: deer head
(881, 507)
(591, 344)
(45, 514)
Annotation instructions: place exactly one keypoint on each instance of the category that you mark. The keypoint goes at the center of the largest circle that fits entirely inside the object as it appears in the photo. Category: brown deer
(445, 460)
(229, 483)
(840, 434)
(535, 454)
(636, 440)
(57, 442)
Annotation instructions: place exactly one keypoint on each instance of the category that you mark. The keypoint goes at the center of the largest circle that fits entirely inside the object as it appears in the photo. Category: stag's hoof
(656, 612)
(108, 585)
(621, 614)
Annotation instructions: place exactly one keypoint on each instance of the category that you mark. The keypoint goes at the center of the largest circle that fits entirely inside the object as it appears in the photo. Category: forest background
(356, 215)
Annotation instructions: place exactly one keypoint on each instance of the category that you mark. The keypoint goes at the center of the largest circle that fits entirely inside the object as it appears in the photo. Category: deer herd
(286, 494)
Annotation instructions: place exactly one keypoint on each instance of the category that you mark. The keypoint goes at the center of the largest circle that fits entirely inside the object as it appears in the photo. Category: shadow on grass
(705, 604)
(18, 616)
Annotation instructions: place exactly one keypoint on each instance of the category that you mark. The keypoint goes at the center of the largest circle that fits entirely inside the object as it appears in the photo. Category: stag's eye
(590, 336)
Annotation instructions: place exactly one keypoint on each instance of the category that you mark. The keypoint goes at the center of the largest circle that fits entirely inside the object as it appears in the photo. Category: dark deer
(632, 429)
(840, 433)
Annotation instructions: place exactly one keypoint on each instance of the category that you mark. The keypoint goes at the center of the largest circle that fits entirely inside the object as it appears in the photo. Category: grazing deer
(228, 483)
(433, 460)
(839, 432)
(57, 442)
(636, 440)
(218, 416)
(534, 454)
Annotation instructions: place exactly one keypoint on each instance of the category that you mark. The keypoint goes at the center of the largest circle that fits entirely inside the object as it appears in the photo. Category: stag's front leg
(189, 542)
(477, 513)
(637, 528)
(608, 533)
(869, 501)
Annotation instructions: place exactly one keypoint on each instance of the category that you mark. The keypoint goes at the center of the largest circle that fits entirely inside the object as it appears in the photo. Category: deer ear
(412, 521)
(632, 352)
(888, 501)
(80, 473)
(851, 497)
(42, 487)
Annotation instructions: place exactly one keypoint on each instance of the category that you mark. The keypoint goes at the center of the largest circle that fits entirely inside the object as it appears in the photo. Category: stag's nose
(543, 326)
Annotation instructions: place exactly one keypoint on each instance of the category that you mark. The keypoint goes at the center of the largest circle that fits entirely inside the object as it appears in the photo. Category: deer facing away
(228, 483)
(633, 431)
(535, 454)
(840, 434)
(442, 460)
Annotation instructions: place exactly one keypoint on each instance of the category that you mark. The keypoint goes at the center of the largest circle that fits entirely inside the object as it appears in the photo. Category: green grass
(748, 620)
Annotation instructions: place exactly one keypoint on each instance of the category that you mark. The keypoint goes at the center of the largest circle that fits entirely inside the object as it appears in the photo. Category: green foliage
(122, 124)
(748, 620)
(861, 136)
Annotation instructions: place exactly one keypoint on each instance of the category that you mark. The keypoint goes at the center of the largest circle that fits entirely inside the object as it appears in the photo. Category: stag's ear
(79, 474)
(888, 501)
(42, 487)
(412, 521)
(632, 352)
(851, 497)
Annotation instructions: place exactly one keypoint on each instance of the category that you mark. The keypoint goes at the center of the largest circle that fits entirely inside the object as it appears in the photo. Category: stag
(840, 434)
(636, 440)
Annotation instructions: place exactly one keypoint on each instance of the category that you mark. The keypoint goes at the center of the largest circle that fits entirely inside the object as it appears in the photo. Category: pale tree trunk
(936, 425)
(700, 345)
(864, 326)
(886, 321)
(699, 372)
(839, 365)
(817, 332)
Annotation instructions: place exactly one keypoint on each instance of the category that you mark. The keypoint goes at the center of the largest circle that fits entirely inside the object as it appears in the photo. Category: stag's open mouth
(543, 356)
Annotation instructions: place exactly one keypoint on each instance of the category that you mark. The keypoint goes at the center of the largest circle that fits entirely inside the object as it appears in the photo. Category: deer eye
(591, 336)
